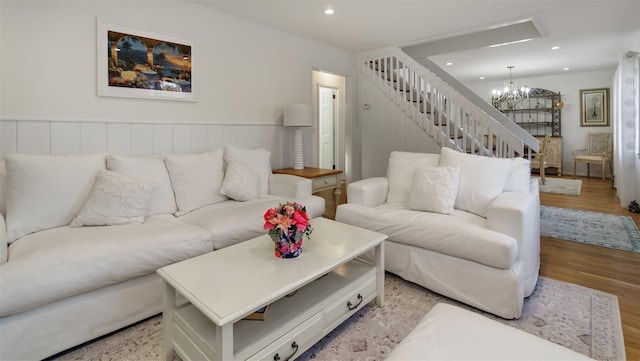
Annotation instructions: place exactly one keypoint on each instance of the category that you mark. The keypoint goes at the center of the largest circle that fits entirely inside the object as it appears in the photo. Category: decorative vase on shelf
(289, 245)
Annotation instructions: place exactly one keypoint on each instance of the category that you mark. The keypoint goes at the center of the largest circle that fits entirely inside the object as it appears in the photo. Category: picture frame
(136, 63)
(594, 107)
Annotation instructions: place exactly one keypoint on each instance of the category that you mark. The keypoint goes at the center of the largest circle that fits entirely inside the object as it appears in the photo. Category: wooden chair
(539, 159)
(599, 151)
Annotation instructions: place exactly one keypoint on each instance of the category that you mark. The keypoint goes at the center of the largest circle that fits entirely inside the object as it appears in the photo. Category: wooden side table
(322, 179)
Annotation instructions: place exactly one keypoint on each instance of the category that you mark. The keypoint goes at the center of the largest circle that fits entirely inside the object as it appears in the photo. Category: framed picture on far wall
(135, 63)
(594, 107)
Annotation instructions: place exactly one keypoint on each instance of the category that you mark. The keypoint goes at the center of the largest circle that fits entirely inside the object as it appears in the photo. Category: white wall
(245, 73)
(385, 128)
(573, 135)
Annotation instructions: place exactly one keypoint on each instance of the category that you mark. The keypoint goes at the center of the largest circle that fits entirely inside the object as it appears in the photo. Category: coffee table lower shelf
(294, 323)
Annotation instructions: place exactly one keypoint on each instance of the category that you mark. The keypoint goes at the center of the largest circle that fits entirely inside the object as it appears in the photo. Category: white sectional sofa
(81, 236)
(465, 226)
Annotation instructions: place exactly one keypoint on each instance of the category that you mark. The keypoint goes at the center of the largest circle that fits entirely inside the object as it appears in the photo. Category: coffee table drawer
(348, 305)
(295, 342)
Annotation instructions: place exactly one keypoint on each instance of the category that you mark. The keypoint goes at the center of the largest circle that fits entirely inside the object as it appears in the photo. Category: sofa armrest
(4, 246)
(517, 214)
(286, 185)
(370, 192)
(534, 187)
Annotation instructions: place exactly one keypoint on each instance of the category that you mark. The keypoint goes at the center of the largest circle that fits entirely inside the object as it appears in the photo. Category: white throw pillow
(434, 189)
(47, 191)
(258, 160)
(196, 179)
(152, 169)
(519, 179)
(240, 183)
(400, 172)
(115, 199)
(481, 179)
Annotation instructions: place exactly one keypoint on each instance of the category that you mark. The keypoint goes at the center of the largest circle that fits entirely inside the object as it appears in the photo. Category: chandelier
(510, 93)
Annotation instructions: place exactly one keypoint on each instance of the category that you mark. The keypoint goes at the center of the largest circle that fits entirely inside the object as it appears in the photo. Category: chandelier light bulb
(511, 92)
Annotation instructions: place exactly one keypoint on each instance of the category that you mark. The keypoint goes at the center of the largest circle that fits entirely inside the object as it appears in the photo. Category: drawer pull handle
(352, 307)
(294, 346)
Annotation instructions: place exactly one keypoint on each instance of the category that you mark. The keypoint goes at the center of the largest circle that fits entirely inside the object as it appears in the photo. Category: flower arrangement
(286, 225)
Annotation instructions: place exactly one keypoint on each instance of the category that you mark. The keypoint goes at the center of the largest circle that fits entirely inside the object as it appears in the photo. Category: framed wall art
(594, 107)
(135, 63)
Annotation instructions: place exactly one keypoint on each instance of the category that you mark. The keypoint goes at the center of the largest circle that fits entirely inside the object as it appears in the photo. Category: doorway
(328, 114)
(330, 120)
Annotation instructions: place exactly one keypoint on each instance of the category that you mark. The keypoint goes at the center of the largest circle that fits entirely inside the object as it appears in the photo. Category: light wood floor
(604, 269)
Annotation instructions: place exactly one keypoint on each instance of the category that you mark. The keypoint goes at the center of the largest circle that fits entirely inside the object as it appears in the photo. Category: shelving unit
(539, 114)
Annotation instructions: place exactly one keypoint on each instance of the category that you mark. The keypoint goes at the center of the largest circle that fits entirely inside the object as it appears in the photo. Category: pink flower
(283, 222)
(300, 220)
(269, 217)
(287, 219)
(288, 210)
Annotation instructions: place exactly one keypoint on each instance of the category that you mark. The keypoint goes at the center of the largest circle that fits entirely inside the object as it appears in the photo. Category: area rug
(570, 187)
(595, 228)
(582, 319)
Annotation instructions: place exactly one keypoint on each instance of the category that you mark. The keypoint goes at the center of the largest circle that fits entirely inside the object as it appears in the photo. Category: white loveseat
(79, 245)
(465, 226)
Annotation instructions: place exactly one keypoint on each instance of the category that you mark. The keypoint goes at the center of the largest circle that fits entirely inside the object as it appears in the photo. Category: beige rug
(570, 187)
(583, 319)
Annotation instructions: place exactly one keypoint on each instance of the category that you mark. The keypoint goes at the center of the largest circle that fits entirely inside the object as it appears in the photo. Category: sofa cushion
(400, 173)
(153, 170)
(240, 182)
(481, 179)
(434, 189)
(63, 181)
(519, 178)
(454, 235)
(231, 222)
(62, 262)
(196, 179)
(258, 160)
(115, 199)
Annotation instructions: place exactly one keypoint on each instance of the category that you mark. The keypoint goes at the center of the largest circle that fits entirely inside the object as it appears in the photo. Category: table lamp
(298, 116)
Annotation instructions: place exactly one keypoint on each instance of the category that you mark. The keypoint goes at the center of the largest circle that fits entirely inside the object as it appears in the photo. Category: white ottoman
(452, 333)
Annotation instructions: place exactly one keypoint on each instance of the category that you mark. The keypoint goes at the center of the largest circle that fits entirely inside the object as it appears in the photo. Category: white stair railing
(451, 119)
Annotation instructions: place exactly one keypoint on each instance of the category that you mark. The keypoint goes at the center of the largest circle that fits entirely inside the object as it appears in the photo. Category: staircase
(444, 108)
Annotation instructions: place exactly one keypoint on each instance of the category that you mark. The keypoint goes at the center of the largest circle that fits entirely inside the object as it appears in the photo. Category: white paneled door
(327, 107)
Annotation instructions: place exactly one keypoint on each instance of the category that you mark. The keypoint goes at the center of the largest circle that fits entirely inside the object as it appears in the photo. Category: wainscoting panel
(199, 141)
(119, 138)
(7, 137)
(139, 139)
(162, 139)
(64, 138)
(33, 137)
(93, 137)
(386, 128)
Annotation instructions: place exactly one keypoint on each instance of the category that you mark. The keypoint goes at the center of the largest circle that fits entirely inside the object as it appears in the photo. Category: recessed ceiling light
(555, 47)
(329, 11)
(481, 78)
(449, 63)
(565, 69)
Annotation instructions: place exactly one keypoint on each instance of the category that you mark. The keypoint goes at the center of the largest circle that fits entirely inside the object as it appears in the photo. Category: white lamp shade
(298, 115)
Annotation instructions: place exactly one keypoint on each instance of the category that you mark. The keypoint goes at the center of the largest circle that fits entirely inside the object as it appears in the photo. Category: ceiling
(592, 35)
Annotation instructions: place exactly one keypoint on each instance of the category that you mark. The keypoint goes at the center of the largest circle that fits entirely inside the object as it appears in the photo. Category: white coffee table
(206, 297)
